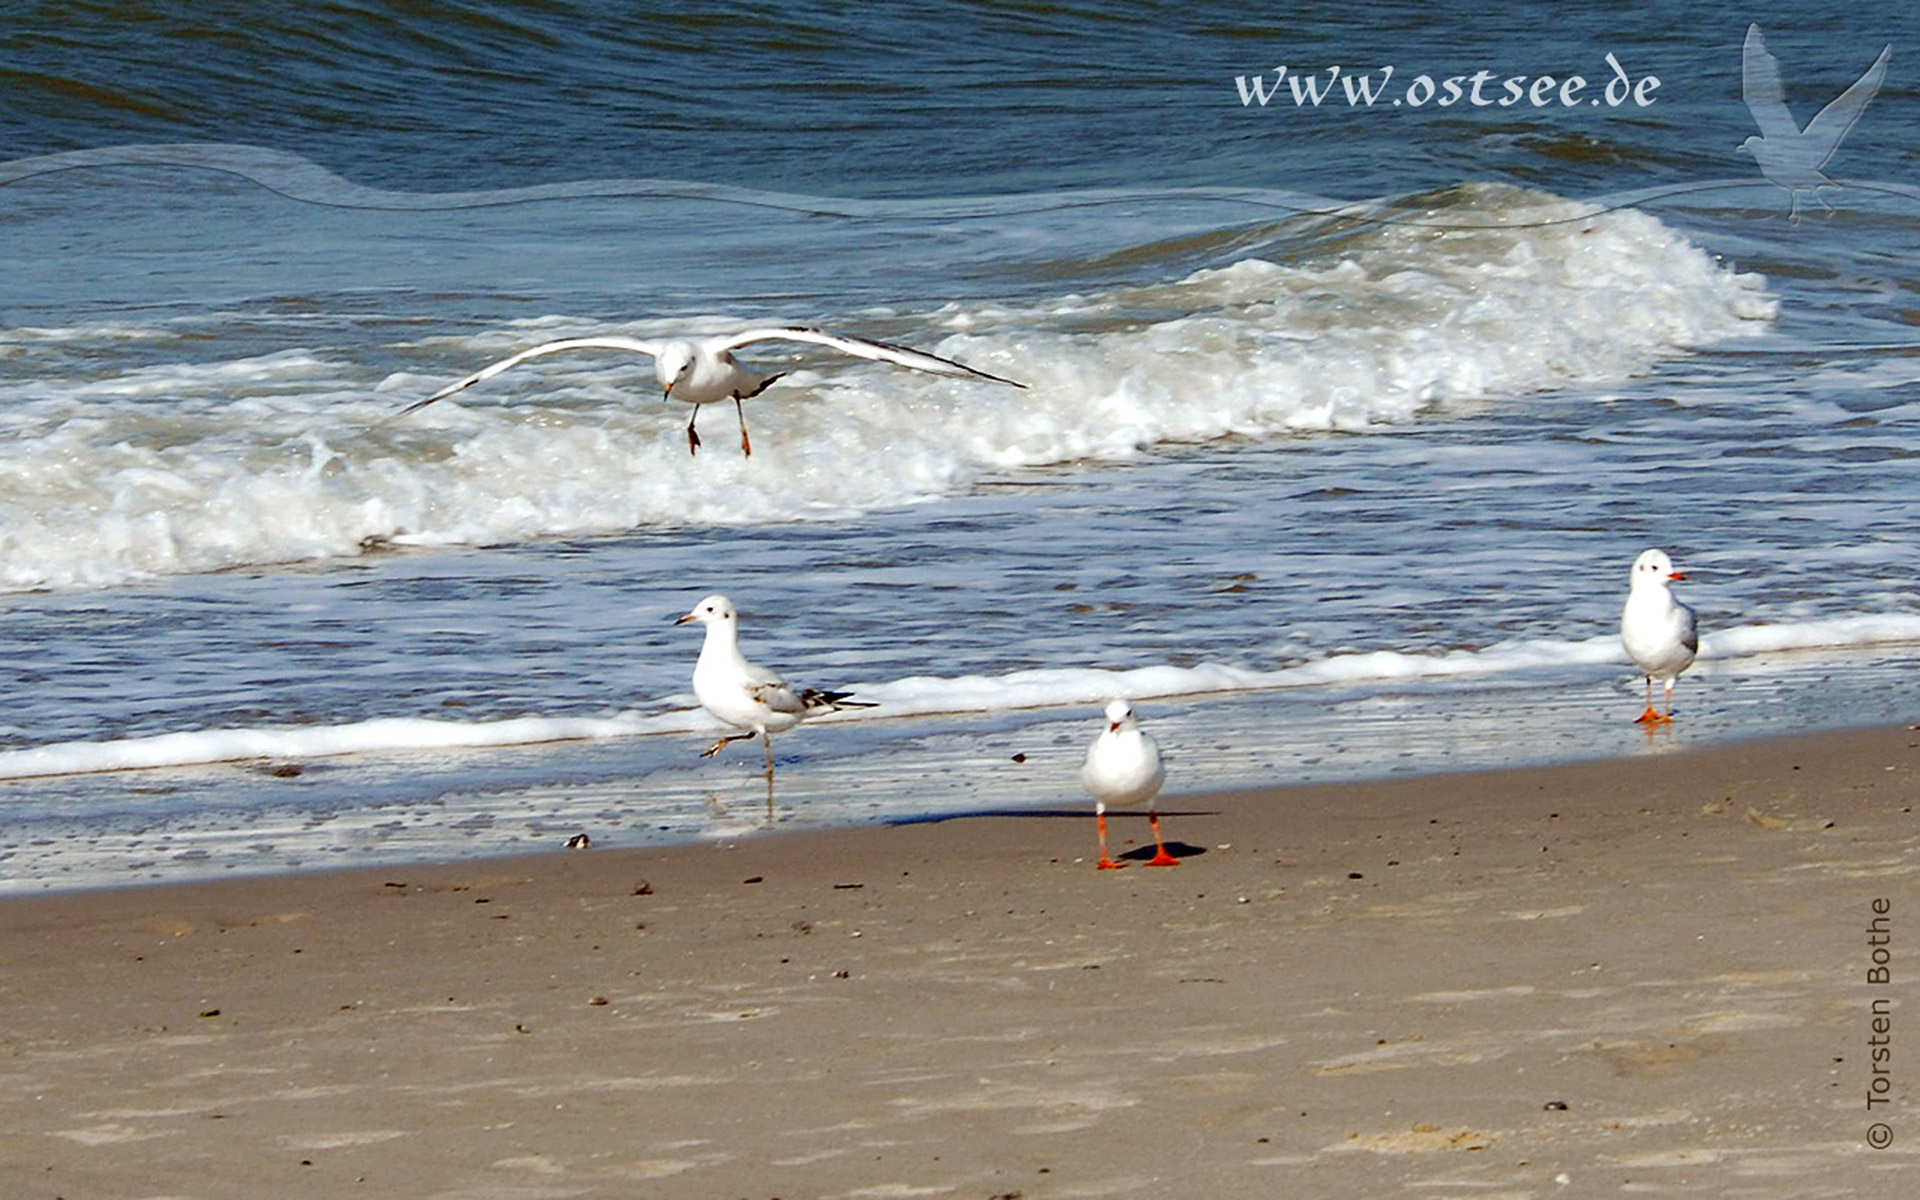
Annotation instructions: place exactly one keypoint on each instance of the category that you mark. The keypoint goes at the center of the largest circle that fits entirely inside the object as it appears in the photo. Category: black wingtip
(442, 394)
(813, 697)
(991, 378)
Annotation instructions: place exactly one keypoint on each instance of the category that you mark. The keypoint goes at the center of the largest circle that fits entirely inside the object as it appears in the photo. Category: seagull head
(1119, 716)
(714, 609)
(1654, 567)
(673, 364)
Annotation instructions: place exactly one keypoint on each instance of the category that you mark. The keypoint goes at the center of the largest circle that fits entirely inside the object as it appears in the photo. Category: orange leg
(746, 447)
(1161, 858)
(1100, 823)
(1651, 718)
(714, 749)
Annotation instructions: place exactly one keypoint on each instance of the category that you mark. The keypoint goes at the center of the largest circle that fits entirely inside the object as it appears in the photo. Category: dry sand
(1637, 977)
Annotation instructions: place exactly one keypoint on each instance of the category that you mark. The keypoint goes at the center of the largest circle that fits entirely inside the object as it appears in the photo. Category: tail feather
(818, 701)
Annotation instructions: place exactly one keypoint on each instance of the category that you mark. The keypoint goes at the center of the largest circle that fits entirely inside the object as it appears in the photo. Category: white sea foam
(383, 734)
(1048, 688)
(933, 695)
(197, 466)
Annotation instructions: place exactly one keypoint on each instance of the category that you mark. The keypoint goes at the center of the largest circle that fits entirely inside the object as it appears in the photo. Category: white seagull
(1123, 767)
(1791, 157)
(743, 694)
(704, 371)
(1659, 632)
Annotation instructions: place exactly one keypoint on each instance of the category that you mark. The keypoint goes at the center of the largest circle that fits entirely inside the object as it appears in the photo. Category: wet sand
(1645, 977)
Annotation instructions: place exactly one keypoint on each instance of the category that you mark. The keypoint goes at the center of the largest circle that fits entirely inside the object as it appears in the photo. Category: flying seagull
(746, 695)
(1660, 633)
(1789, 156)
(702, 371)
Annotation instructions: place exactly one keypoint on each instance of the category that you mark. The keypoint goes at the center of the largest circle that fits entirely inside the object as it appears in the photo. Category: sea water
(1341, 425)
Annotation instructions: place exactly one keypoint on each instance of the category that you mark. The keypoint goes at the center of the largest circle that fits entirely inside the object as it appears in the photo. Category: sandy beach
(1646, 977)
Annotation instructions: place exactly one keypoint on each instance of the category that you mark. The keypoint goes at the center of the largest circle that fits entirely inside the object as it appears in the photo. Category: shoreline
(248, 818)
(1645, 974)
(1170, 802)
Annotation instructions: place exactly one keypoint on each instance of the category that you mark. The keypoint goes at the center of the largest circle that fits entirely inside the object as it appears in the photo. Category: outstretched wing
(1760, 88)
(1825, 130)
(900, 356)
(488, 372)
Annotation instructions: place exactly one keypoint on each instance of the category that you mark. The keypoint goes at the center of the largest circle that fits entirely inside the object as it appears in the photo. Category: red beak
(1676, 575)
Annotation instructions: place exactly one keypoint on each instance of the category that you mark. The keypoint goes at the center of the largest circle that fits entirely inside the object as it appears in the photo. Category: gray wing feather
(807, 702)
(489, 371)
(779, 697)
(901, 356)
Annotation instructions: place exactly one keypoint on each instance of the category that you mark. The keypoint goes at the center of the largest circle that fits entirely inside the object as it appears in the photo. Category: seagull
(1123, 767)
(1788, 155)
(1659, 632)
(745, 695)
(704, 371)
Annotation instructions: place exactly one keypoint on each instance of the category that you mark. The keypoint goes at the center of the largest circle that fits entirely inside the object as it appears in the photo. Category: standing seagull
(704, 371)
(1658, 631)
(1123, 767)
(1788, 155)
(744, 695)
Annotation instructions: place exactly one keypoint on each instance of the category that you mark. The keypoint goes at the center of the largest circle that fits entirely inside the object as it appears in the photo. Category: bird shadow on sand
(1175, 849)
(1138, 853)
(1081, 814)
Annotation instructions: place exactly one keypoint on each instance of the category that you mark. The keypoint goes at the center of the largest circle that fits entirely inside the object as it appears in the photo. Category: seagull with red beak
(1660, 633)
(1123, 767)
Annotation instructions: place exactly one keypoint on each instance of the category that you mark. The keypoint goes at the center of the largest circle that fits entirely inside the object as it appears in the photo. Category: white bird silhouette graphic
(1789, 156)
